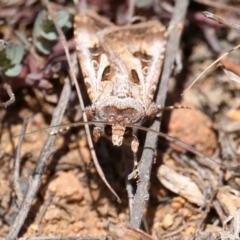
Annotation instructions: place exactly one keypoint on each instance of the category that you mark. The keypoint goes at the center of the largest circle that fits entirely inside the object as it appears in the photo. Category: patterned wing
(138, 50)
(90, 53)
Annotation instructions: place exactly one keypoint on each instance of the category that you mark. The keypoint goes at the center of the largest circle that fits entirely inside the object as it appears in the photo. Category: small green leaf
(44, 32)
(44, 47)
(51, 36)
(14, 53)
(2, 46)
(10, 55)
(63, 18)
(38, 25)
(143, 3)
(14, 71)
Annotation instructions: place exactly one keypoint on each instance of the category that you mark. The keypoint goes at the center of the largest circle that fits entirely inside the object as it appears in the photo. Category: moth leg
(90, 111)
(178, 62)
(153, 110)
(97, 133)
(135, 144)
(134, 147)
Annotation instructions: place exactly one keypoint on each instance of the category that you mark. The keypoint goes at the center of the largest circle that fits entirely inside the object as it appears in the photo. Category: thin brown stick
(16, 184)
(148, 155)
(35, 179)
(219, 5)
(11, 95)
(221, 21)
(42, 212)
(130, 10)
(73, 77)
(215, 62)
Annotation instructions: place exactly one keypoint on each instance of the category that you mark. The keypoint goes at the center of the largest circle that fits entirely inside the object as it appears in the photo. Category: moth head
(119, 112)
(119, 118)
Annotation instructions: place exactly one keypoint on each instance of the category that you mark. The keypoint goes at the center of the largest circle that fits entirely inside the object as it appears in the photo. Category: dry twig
(11, 95)
(35, 179)
(148, 155)
(16, 184)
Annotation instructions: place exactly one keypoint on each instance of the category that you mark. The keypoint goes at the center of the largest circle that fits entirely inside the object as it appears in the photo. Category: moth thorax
(122, 89)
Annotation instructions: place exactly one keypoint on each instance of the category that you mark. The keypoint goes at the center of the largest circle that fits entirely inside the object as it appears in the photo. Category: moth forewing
(89, 50)
(138, 52)
(121, 68)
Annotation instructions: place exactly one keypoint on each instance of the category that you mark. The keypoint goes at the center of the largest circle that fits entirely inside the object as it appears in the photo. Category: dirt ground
(189, 196)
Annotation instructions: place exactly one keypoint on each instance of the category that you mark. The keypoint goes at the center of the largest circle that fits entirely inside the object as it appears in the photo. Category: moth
(121, 66)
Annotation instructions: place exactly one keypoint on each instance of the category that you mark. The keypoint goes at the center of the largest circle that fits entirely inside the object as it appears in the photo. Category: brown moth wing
(136, 52)
(89, 50)
(121, 68)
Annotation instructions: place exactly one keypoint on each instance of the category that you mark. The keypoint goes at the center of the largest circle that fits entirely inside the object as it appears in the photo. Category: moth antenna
(177, 141)
(64, 126)
(170, 108)
(221, 21)
(167, 137)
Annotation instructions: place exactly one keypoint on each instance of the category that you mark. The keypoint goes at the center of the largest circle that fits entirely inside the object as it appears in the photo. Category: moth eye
(145, 70)
(135, 76)
(95, 64)
(143, 56)
(128, 132)
(108, 130)
(126, 119)
(95, 51)
(106, 74)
